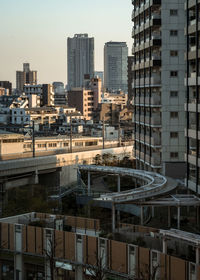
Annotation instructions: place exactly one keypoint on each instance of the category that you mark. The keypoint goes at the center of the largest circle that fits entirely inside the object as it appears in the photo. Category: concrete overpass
(54, 170)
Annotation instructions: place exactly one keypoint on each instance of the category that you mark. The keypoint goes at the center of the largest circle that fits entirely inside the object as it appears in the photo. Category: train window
(93, 143)
(78, 143)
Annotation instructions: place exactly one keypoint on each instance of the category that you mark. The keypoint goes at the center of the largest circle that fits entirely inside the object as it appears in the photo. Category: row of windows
(65, 144)
(13, 140)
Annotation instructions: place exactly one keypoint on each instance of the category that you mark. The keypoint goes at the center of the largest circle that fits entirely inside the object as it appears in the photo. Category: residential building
(119, 98)
(44, 91)
(60, 94)
(158, 85)
(80, 59)
(25, 77)
(107, 112)
(193, 96)
(115, 66)
(6, 85)
(86, 100)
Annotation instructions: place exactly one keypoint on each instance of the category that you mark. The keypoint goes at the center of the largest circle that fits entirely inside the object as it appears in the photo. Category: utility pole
(70, 134)
(103, 134)
(33, 137)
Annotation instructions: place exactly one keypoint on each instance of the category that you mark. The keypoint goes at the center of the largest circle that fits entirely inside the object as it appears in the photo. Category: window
(173, 12)
(52, 145)
(41, 145)
(173, 53)
(65, 144)
(173, 134)
(173, 93)
(91, 143)
(173, 32)
(173, 115)
(174, 155)
(173, 73)
(78, 143)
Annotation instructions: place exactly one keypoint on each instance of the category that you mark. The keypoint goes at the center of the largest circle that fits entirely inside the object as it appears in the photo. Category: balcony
(155, 100)
(192, 79)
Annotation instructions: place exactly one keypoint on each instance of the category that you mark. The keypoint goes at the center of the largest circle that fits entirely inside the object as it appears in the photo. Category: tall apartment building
(80, 59)
(115, 66)
(158, 85)
(193, 95)
(25, 77)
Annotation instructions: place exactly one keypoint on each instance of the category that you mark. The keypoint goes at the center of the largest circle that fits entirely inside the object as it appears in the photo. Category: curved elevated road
(152, 184)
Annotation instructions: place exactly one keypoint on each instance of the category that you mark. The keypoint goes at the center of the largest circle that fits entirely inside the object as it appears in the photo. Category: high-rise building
(80, 59)
(193, 96)
(158, 85)
(25, 77)
(115, 66)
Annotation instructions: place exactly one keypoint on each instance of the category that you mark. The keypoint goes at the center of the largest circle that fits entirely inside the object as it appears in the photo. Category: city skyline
(36, 33)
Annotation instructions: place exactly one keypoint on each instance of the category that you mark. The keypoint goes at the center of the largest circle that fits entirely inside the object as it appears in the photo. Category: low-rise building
(86, 100)
(119, 98)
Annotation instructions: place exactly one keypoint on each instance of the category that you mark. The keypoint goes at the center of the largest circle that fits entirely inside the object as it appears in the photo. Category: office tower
(193, 97)
(115, 66)
(25, 77)
(7, 86)
(80, 59)
(158, 85)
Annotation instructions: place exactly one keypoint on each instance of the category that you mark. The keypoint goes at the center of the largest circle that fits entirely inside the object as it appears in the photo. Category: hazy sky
(36, 31)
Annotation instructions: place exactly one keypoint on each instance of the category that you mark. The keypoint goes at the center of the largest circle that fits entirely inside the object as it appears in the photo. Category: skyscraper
(158, 85)
(25, 77)
(80, 59)
(193, 97)
(115, 66)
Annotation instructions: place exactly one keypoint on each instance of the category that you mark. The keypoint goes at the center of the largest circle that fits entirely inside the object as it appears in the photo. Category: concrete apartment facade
(86, 100)
(7, 86)
(80, 59)
(25, 77)
(158, 85)
(115, 66)
(192, 106)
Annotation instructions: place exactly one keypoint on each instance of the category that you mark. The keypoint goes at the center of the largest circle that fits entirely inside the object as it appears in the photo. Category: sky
(36, 31)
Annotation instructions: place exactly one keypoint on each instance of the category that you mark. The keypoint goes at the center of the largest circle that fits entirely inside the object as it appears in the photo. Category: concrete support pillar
(197, 255)
(118, 190)
(118, 183)
(79, 273)
(178, 217)
(89, 186)
(153, 211)
(141, 215)
(18, 263)
(113, 217)
(164, 245)
(169, 216)
(18, 258)
(79, 257)
(36, 177)
(197, 215)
